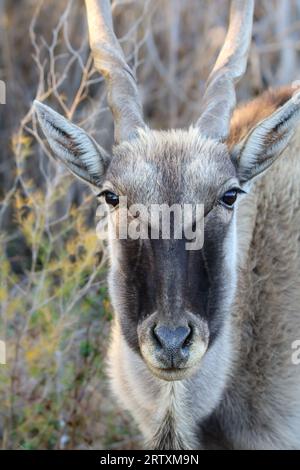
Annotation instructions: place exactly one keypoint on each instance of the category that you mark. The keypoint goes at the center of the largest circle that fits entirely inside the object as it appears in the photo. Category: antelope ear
(73, 146)
(266, 141)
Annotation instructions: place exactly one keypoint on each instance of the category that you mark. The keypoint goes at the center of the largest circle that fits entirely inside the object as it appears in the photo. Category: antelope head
(172, 304)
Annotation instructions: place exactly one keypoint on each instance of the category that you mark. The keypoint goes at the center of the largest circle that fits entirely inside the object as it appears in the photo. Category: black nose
(172, 344)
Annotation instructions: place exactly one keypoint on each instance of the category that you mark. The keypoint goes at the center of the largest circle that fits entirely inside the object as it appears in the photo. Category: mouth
(171, 374)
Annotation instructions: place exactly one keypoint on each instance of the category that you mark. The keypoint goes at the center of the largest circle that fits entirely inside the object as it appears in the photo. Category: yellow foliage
(3, 294)
(22, 144)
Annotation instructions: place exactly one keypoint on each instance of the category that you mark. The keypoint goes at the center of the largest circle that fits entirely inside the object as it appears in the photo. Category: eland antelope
(201, 347)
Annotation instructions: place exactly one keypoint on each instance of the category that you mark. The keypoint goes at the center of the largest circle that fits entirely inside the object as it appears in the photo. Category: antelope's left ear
(73, 146)
(266, 141)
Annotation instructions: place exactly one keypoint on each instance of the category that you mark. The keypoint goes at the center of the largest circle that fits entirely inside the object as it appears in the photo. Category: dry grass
(55, 314)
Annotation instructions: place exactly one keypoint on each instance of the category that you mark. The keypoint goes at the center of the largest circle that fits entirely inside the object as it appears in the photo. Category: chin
(172, 374)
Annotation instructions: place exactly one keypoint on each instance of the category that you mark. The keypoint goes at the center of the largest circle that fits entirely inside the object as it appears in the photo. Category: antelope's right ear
(73, 146)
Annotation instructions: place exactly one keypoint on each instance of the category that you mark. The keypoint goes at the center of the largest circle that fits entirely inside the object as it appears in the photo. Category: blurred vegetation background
(55, 313)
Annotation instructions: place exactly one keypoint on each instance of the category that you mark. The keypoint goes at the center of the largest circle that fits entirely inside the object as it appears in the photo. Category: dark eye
(229, 198)
(111, 198)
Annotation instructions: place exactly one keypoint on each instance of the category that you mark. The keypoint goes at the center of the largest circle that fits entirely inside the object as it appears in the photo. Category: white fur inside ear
(267, 140)
(72, 145)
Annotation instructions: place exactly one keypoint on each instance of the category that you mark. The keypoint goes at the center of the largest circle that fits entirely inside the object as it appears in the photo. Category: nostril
(188, 340)
(159, 337)
(155, 336)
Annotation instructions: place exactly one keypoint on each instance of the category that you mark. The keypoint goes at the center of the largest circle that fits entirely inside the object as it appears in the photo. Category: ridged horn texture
(219, 99)
(109, 59)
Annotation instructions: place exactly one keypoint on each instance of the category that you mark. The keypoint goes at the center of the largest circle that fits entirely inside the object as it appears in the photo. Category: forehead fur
(169, 167)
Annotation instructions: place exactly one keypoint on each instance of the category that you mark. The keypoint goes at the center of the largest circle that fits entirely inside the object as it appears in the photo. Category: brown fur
(247, 115)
